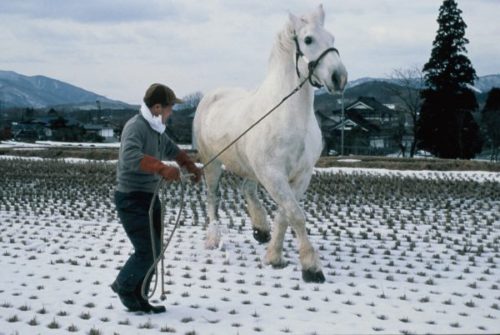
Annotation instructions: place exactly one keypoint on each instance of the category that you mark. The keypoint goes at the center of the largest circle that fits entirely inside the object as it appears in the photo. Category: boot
(128, 299)
(145, 306)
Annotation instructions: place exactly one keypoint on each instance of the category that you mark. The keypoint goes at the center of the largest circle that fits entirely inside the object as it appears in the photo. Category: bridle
(311, 65)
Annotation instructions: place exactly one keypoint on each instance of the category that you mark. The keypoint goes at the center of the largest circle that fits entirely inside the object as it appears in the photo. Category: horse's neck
(282, 79)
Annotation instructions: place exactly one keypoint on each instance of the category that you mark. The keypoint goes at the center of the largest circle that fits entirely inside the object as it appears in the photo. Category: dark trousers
(133, 211)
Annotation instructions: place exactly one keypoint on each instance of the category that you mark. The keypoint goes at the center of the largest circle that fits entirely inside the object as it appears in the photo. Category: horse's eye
(308, 40)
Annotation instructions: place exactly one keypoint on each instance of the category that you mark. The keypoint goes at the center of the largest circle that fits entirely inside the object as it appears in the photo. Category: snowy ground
(403, 252)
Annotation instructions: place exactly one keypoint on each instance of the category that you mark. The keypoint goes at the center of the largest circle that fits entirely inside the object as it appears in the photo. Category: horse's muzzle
(339, 79)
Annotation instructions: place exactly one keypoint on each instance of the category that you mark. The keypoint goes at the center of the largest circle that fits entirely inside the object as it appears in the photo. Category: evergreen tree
(491, 121)
(446, 127)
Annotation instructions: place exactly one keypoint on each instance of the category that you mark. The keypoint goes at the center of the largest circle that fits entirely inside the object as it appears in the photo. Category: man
(144, 145)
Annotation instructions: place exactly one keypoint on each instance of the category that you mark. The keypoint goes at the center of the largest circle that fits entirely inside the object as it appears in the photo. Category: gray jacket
(139, 139)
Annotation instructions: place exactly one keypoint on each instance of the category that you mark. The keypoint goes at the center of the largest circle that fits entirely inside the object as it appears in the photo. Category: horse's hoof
(261, 236)
(212, 244)
(280, 265)
(313, 277)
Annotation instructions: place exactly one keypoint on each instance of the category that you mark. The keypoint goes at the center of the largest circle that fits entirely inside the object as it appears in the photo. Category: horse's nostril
(337, 81)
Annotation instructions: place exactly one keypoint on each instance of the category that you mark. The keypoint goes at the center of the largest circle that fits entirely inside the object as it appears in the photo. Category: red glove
(184, 161)
(170, 173)
(152, 165)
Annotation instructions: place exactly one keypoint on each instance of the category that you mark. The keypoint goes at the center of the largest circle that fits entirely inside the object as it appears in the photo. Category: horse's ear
(319, 15)
(294, 21)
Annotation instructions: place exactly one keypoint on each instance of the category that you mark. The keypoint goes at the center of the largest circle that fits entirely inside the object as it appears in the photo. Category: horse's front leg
(311, 265)
(213, 173)
(281, 191)
(260, 226)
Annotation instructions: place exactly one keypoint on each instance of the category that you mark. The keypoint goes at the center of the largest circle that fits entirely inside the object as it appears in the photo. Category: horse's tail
(198, 122)
(220, 102)
(203, 106)
(208, 100)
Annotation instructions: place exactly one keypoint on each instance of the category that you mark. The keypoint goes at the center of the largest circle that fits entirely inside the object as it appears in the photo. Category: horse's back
(214, 101)
(214, 117)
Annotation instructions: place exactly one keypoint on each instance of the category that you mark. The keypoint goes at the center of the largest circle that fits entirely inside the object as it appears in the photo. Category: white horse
(281, 151)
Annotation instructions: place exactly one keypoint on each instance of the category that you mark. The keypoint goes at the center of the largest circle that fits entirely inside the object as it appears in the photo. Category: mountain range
(17, 90)
(387, 91)
(482, 85)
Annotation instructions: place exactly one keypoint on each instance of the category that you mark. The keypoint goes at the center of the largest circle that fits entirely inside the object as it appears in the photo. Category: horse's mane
(283, 44)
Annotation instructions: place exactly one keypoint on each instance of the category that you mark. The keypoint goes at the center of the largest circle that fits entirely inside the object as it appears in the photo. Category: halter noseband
(312, 64)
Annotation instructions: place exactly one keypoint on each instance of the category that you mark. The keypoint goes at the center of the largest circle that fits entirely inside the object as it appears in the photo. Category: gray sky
(118, 47)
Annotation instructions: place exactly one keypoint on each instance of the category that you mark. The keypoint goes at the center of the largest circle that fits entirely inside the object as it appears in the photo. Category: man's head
(160, 94)
(160, 99)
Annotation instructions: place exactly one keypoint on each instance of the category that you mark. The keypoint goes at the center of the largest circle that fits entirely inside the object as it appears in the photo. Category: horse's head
(315, 46)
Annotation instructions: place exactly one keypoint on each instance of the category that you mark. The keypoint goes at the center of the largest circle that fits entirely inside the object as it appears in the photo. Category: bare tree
(193, 99)
(411, 81)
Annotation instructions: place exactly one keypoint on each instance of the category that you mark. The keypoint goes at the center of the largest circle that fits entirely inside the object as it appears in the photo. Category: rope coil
(157, 258)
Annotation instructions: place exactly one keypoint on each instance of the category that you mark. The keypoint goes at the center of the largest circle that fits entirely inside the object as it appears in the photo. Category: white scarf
(154, 121)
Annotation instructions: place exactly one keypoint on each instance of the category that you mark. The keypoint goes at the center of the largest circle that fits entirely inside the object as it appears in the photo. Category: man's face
(164, 110)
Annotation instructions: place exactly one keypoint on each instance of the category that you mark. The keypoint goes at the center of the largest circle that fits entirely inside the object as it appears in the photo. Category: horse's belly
(293, 153)
(305, 149)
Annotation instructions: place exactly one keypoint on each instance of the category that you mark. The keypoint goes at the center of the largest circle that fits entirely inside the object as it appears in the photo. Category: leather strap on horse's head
(311, 65)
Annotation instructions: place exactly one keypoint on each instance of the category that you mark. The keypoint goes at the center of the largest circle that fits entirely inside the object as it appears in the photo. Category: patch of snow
(424, 260)
(349, 160)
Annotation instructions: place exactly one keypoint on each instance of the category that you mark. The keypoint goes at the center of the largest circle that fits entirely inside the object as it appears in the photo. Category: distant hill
(484, 83)
(17, 90)
(384, 90)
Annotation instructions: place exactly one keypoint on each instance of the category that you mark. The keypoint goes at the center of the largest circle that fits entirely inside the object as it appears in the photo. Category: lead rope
(157, 258)
(152, 270)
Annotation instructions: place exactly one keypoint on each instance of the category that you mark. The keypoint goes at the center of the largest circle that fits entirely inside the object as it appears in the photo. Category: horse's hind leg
(213, 173)
(274, 254)
(260, 226)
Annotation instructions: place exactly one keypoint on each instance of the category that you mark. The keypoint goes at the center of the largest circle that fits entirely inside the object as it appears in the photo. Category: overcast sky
(118, 47)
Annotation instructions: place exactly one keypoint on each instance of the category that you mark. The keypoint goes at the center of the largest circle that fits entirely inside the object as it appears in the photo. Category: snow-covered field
(403, 252)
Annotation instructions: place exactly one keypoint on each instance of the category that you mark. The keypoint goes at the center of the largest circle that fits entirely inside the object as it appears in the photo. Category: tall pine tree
(446, 127)
(491, 121)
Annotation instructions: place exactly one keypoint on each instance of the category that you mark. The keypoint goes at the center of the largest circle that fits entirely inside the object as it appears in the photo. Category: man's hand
(170, 173)
(152, 165)
(184, 161)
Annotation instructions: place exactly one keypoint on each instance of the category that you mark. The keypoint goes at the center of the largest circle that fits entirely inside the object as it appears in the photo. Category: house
(100, 131)
(30, 131)
(327, 122)
(365, 127)
(375, 112)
